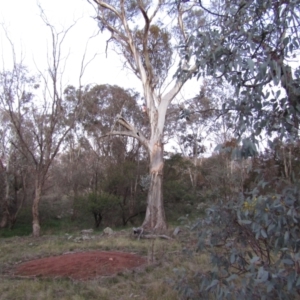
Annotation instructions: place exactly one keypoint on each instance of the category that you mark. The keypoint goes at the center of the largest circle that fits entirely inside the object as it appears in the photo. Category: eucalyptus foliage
(260, 248)
(254, 45)
(253, 238)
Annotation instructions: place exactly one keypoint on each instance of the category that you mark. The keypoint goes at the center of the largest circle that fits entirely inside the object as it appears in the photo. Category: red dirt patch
(80, 266)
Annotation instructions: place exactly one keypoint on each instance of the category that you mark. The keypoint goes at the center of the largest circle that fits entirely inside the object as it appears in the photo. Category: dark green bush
(253, 241)
(254, 245)
(103, 207)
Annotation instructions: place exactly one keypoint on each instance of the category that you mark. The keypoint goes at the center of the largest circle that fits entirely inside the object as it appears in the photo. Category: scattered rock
(176, 231)
(86, 237)
(77, 239)
(87, 231)
(108, 231)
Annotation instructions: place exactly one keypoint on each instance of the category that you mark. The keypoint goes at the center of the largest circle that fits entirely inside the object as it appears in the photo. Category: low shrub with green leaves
(254, 246)
(101, 205)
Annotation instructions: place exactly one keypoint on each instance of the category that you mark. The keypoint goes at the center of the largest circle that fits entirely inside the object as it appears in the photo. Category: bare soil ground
(80, 266)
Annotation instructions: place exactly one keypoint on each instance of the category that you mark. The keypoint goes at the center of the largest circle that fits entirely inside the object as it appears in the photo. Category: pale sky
(32, 37)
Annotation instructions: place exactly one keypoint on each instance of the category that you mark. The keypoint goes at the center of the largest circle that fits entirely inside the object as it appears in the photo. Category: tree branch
(145, 42)
(210, 12)
(137, 135)
(111, 8)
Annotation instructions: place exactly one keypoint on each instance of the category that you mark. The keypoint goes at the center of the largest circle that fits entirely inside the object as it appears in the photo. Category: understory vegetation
(210, 183)
(253, 238)
(148, 282)
(239, 234)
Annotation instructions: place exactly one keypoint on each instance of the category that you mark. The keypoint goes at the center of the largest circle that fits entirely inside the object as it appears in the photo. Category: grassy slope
(150, 282)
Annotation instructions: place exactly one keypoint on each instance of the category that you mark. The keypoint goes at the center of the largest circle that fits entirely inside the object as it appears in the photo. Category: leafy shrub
(253, 241)
(254, 248)
(101, 205)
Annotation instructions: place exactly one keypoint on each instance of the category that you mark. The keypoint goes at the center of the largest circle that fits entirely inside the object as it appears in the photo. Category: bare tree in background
(14, 173)
(39, 113)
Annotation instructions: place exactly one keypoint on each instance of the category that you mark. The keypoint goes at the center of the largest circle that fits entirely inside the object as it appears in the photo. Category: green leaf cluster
(250, 44)
(254, 239)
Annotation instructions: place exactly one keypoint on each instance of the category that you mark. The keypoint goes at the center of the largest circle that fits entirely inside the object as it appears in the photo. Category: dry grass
(149, 282)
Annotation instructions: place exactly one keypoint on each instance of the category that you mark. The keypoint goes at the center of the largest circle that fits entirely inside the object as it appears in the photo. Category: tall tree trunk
(6, 213)
(13, 217)
(155, 218)
(5, 216)
(35, 209)
(11, 207)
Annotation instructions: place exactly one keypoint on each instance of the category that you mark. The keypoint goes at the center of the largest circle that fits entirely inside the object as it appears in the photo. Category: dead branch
(139, 233)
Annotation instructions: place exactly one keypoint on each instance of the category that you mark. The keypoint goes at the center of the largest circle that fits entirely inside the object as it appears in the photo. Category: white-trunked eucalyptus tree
(145, 41)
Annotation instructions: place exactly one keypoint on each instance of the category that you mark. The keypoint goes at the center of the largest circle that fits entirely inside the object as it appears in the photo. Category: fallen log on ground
(139, 233)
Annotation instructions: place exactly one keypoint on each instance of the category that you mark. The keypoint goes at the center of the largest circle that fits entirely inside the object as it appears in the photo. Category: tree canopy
(254, 45)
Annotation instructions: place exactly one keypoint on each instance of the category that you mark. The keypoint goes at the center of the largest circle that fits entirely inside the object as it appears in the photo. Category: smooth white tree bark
(118, 18)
